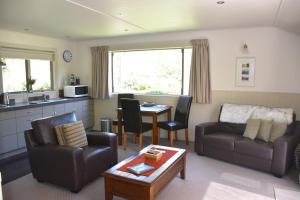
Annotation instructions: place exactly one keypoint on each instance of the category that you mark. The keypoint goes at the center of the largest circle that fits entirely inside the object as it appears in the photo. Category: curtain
(100, 72)
(200, 87)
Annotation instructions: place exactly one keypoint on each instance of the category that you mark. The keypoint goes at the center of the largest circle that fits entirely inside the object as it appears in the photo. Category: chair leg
(186, 136)
(134, 138)
(125, 141)
(176, 136)
(171, 138)
(158, 133)
(141, 140)
(114, 129)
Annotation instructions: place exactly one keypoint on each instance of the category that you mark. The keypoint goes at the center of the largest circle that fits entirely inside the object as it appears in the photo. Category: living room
(267, 33)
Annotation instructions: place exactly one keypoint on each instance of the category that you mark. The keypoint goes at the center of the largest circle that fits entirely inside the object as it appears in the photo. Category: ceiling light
(220, 2)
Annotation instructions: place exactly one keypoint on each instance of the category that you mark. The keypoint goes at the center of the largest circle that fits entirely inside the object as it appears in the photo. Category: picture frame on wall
(245, 72)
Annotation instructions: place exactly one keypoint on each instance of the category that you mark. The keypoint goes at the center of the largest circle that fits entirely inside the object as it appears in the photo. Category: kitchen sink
(46, 101)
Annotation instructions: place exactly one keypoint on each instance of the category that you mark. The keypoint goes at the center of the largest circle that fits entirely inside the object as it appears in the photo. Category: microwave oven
(76, 91)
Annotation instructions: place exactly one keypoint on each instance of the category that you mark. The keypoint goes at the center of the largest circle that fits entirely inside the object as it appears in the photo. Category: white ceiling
(85, 19)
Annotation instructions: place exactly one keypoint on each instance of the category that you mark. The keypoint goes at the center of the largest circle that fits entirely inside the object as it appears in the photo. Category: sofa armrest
(61, 165)
(283, 151)
(200, 131)
(105, 139)
(102, 138)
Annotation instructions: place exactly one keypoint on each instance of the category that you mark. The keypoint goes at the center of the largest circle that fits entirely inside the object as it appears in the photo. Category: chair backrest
(183, 107)
(124, 96)
(44, 131)
(132, 117)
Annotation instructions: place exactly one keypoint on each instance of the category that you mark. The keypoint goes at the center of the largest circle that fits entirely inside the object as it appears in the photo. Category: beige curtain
(100, 72)
(200, 87)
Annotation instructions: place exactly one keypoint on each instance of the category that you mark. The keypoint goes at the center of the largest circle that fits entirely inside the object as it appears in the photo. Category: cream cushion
(264, 130)
(72, 134)
(278, 130)
(252, 128)
(60, 135)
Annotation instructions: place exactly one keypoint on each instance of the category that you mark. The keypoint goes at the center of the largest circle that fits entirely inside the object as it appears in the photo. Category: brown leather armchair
(63, 165)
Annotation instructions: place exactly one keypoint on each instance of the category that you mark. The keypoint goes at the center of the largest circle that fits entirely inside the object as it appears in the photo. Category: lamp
(2, 63)
(244, 48)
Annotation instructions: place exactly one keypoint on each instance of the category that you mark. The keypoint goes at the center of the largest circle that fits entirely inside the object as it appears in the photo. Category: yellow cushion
(264, 130)
(252, 128)
(278, 130)
(74, 134)
(60, 135)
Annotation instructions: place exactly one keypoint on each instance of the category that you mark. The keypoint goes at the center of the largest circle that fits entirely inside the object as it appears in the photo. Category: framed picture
(245, 72)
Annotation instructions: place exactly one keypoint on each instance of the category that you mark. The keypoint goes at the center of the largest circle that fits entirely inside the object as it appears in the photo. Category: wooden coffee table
(130, 186)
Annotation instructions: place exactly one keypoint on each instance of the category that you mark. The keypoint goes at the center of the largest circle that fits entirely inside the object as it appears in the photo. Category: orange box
(153, 154)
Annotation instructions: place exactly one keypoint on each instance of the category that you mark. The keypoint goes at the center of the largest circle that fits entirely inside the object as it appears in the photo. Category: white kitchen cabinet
(8, 143)
(8, 127)
(14, 123)
(59, 109)
(48, 111)
(21, 140)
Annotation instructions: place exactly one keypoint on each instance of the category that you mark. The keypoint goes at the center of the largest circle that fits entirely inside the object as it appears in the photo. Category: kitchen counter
(20, 106)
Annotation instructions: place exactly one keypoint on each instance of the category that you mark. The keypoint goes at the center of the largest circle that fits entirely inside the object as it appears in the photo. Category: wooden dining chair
(115, 121)
(181, 120)
(133, 121)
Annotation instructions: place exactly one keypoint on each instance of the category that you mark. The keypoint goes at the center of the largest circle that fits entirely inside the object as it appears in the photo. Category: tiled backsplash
(23, 97)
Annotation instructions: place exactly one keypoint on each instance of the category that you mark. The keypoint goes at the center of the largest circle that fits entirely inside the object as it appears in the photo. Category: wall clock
(67, 55)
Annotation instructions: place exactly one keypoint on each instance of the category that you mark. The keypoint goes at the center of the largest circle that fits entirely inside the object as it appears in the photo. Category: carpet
(206, 179)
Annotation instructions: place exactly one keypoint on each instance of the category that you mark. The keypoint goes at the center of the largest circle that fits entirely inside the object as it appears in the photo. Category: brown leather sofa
(67, 166)
(224, 141)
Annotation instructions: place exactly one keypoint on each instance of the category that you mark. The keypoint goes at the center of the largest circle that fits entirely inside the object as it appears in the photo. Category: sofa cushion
(231, 128)
(44, 129)
(254, 148)
(74, 134)
(221, 140)
(252, 128)
(278, 130)
(264, 130)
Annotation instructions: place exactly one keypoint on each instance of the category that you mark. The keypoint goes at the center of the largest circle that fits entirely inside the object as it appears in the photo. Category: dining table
(151, 111)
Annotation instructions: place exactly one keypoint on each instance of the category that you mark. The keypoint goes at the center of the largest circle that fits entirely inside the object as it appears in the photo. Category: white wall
(276, 52)
(28, 40)
(277, 68)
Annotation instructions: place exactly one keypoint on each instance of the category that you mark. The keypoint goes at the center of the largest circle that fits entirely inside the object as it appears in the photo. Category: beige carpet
(207, 179)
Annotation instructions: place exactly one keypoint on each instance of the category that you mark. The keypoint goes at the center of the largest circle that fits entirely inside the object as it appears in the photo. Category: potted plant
(30, 83)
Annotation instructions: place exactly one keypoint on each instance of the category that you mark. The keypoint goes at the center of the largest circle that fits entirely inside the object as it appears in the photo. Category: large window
(20, 68)
(151, 71)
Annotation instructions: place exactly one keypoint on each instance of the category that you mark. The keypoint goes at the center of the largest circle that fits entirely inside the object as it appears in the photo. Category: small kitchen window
(26, 70)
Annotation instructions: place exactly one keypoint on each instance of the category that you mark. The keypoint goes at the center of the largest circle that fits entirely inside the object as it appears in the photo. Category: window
(40, 70)
(151, 71)
(14, 75)
(19, 71)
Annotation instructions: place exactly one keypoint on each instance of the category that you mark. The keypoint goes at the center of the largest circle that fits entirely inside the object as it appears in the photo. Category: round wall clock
(67, 55)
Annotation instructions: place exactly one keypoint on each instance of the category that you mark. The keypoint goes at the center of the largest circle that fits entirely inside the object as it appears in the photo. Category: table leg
(120, 128)
(154, 129)
(182, 172)
(108, 189)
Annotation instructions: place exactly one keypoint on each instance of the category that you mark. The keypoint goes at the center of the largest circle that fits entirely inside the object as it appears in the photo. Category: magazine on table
(140, 168)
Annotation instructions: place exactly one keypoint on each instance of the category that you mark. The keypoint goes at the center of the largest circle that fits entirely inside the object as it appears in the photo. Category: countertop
(25, 105)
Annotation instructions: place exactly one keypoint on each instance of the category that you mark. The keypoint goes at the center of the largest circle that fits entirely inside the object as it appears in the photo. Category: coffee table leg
(182, 172)
(108, 189)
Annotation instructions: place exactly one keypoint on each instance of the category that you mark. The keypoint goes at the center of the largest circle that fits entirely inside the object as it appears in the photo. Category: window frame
(131, 50)
(28, 76)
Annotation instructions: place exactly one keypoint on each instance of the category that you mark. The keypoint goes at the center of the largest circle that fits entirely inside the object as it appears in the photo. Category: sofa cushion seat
(221, 140)
(255, 148)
